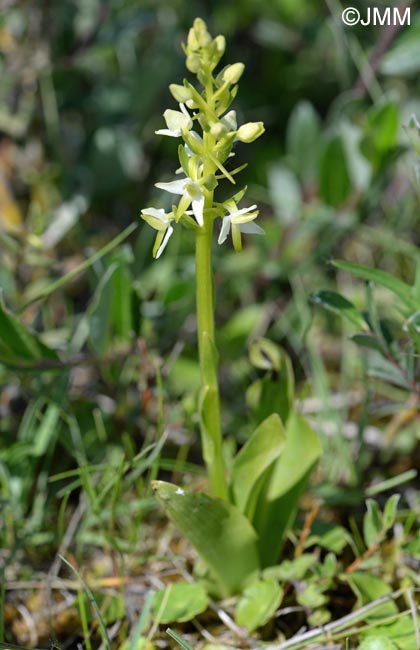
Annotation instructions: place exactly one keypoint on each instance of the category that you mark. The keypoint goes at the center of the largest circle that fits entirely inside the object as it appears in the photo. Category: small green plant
(239, 529)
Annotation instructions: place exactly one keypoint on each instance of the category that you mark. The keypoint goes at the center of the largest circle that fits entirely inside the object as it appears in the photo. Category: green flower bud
(192, 41)
(233, 73)
(193, 63)
(250, 131)
(180, 93)
(201, 33)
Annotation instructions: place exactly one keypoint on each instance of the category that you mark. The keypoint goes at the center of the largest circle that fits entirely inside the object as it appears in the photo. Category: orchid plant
(239, 529)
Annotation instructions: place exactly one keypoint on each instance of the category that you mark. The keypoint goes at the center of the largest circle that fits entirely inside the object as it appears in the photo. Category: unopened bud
(250, 131)
(180, 93)
(201, 32)
(193, 63)
(233, 73)
(192, 40)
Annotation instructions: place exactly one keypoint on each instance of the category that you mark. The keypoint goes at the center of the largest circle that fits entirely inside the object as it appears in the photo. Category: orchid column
(203, 158)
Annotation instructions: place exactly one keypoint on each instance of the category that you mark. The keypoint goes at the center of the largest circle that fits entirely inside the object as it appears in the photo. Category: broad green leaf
(381, 278)
(369, 588)
(303, 137)
(258, 604)
(335, 181)
(337, 304)
(179, 602)
(18, 345)
(219, 532)
(260, 451)
(278, 501)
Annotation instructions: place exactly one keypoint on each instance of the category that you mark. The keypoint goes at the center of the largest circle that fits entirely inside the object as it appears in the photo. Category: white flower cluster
(202, 158)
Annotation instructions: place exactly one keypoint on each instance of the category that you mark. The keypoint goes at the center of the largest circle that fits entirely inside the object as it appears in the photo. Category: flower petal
(171, 133)
(162, 246)
(176, 120)
(235, 213)
(251, 228)
(198, 208)
(224, 231)
(174, 187)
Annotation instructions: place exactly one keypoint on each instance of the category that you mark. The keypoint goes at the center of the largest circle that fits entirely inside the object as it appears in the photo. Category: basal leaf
(280, 495)
(255, 457)
(219, 532)
(258, 604)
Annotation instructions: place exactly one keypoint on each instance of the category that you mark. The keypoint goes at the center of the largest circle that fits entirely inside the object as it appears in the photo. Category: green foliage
(220, 533)
(258, 603)
(268, 476)
(179, 602)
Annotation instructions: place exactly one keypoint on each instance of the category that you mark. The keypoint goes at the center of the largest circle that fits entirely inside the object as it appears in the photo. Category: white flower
(239, 221)
(176, 121)
(191, 192)
(160, 221)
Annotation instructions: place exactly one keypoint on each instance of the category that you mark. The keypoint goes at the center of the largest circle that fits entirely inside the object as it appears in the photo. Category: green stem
(211, 433)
